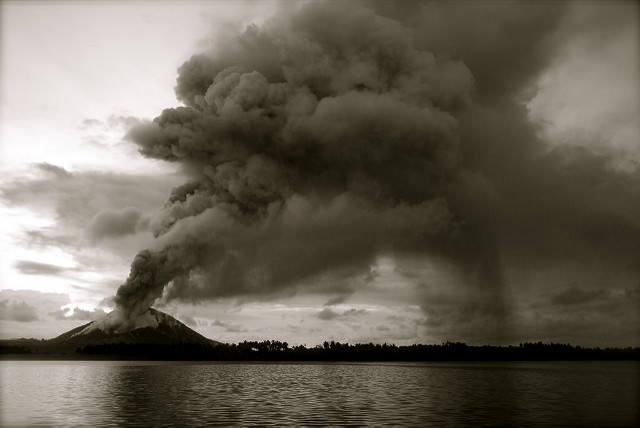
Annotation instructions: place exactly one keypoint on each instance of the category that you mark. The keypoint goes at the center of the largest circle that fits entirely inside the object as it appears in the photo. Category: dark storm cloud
(340, 131)
(477, 321)
(609, 315)
(633, 294)
(28, 267)
(578, 296)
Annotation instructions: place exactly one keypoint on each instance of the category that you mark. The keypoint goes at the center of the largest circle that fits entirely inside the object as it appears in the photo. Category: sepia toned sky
(409, 172)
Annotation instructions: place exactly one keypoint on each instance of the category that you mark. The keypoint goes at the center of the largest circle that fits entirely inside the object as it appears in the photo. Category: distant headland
(154, 335)
(274, 350)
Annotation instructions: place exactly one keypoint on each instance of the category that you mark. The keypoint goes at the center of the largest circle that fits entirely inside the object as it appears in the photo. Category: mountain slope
(151, 327)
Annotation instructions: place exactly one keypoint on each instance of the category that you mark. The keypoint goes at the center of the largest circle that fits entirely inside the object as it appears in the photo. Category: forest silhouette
(274, 350)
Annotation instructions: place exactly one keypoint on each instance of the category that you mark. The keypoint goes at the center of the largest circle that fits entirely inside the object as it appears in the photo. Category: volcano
(152, 327)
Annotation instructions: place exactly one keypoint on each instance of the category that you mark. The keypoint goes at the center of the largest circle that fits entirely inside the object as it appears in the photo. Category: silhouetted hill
(154, 335)
(158, 328)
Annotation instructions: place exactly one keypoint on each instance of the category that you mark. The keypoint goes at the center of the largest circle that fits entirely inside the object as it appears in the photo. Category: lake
(115, 393)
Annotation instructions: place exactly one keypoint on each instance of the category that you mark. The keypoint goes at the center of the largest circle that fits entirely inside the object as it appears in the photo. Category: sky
(410, 172)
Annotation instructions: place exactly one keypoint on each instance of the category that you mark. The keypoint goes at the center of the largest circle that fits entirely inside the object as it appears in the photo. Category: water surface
(115, 393)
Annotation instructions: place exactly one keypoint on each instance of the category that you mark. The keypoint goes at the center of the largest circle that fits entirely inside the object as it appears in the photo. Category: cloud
(29, 305)
(95, 221)
(119, 122)
(76, 198)
(115, 223)
(31, 313)
(590, 317)
(598, 53)
(578, 296)
(189, 320)
(28, 267)
(405, 136)
(78, 314)
(327, 314)
(350, 155)
(633, 293)
(230, 328)
(336, 300)
(11, 310)
(336, 133)
(354, 312)
(55, 170)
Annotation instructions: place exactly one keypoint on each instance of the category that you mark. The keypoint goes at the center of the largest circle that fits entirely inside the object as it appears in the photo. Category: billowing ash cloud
(313, 144)
(344, 130)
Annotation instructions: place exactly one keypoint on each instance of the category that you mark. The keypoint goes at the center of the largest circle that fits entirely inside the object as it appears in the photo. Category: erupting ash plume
(312, 143)
(340, 131)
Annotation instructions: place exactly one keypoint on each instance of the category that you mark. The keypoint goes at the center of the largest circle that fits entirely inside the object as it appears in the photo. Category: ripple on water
(62, 393)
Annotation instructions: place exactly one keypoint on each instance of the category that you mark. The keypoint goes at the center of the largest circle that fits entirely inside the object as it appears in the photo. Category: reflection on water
(190, 394)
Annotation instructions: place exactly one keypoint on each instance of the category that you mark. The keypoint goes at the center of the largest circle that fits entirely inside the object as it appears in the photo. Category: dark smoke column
(144, 284)
(150, 273)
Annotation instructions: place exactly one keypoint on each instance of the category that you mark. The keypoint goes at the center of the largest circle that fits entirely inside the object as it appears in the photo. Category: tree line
(273, 350)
